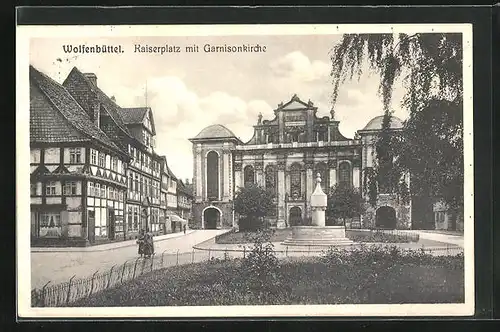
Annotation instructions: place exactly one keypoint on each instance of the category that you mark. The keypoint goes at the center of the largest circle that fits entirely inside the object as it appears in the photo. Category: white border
(24, 33)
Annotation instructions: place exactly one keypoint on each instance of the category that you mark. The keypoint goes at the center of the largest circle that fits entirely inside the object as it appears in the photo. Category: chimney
(91, 77)
(113, 98)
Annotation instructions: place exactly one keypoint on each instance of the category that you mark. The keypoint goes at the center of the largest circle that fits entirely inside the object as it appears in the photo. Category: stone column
(259, 176)
(237, 176)
(281, 195)
(356, 173)
(309, 185)
(332, 165)
(225, 175)
(198, 176)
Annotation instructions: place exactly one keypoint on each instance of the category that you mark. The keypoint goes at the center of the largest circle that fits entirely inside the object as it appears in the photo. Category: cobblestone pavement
(61, 266)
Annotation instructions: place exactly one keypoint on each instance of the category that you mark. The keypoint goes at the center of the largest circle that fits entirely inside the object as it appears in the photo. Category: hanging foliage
(430, 146)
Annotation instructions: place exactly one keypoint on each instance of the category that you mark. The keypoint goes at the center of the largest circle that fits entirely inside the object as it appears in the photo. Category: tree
(253, 203)
(344, 202)
(430, 146)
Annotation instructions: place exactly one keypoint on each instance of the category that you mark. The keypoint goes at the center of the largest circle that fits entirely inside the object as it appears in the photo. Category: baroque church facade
(284, 155)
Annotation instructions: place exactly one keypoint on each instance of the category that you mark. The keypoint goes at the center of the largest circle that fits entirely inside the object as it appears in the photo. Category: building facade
(132, 129)
(95, 176)
(284, 155)
(78, 179)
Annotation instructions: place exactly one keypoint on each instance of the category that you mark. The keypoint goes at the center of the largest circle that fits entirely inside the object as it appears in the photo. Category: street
(61, 266)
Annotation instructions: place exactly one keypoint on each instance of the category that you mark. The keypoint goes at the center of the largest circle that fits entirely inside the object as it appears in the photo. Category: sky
(190, 91)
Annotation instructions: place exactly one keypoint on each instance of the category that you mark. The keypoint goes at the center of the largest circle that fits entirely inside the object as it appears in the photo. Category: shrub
(259, 268)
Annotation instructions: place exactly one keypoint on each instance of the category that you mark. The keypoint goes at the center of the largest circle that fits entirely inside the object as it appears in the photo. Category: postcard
(245, 171)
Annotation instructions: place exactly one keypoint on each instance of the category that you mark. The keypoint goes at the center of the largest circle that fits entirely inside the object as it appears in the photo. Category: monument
(318, 234)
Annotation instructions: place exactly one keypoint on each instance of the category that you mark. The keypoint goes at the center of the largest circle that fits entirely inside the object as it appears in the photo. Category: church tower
(213, 177)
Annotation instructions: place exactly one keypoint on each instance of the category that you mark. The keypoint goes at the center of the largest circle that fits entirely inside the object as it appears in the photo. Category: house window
(102, 161)
(75, 156)
(50, 225)
(110, 193)
(91, 189)
(136, 218)
(97, 190)
(114, 164)
(69, 188)
(103, 191)
(50, 188)
(33, 189)
(129, 217)
(93, 157)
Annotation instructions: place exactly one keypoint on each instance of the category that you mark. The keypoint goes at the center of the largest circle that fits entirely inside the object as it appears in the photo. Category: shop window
(50, 225)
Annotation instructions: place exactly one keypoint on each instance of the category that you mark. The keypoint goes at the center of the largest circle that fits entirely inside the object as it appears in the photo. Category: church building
(284, 155)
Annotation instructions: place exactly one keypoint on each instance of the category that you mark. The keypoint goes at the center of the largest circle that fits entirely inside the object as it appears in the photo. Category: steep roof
(167, 169)
(136, 115)
(376, 123)
(109, 105)
(70, 123)
(133, 115)
(215, 131)
(181, 187)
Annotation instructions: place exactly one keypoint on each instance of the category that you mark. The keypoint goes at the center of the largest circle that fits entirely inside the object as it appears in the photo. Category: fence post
(177, 258)
(123, 272)
(92, 285)
(244, 251)
(286, 251)
(43, 293)
(192, 257)
(69, 289)
(308, 250)
(152, 262)
(209, 252)
(110, 275)
(135, 268)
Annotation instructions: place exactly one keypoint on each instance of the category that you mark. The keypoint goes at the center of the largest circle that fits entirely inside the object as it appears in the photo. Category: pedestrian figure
(184, 228)
(140, 241)
(148, 244)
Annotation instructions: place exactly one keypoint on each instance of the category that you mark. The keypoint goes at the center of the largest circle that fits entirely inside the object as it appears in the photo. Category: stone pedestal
(318, 234)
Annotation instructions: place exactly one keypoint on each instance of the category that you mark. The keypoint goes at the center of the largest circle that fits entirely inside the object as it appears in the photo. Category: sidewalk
(107, 246)
(59, 266)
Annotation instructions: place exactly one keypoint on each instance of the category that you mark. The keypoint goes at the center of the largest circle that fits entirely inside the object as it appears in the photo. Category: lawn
(280, 235)
(368, 278)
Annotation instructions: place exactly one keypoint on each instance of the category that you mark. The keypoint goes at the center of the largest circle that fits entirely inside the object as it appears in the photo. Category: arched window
(322, 169)
(270, 177)
(213, 175)
(345, 174)
(295, 181)
(249, 175)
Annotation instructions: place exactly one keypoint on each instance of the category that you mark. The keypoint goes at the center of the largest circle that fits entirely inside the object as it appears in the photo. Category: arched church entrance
(385, 217)
(211, 217)
(295, 216)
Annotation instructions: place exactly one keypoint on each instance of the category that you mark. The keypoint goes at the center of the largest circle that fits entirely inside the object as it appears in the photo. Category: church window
(249, 175)
(270, 177)
(295, 181)
(345, 174)
(212, 175)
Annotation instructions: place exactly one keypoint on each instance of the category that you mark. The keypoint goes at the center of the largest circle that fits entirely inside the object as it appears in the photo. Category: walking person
(141, 241)
(184, 228)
